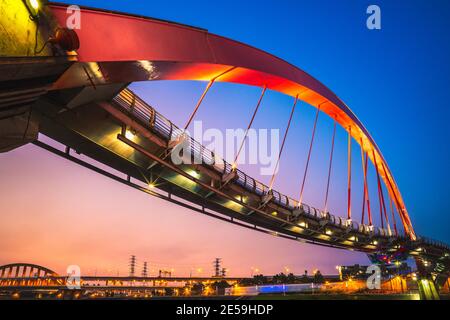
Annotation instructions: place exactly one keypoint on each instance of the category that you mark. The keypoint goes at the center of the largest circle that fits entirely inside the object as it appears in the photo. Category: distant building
(359, 272)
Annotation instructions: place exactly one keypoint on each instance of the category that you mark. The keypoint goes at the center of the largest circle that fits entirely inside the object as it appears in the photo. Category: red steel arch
(120, 48)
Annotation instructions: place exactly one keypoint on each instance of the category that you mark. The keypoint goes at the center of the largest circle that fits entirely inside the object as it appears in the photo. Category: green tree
(318, 277)
(169, 291)
(280, 278)
(220, 286)
(291, 278)
(197, 288)
(260, 279)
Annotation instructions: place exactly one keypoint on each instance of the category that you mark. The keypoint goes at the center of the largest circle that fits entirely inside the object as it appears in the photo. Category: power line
(217, 268)
(132, 265)
(144, 270)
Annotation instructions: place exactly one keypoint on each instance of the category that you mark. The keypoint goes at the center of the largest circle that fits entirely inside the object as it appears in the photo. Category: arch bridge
(81, 99)
(26, 278)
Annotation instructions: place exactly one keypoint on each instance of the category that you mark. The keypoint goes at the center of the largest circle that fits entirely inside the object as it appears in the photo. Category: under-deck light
(129, 135)
(196, 174)
(303, 224)
(328, 232)
(32, 7)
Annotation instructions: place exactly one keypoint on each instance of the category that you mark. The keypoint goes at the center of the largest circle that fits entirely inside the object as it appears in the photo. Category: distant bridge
(20, 277)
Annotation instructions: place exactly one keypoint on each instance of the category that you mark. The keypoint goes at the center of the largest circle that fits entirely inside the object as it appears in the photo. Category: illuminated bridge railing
(164, 128)
(434, 243)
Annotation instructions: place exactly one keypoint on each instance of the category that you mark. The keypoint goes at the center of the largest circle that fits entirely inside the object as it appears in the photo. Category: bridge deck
(96, 131)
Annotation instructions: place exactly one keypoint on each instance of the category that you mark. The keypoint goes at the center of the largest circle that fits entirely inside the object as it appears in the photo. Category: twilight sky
(55, 213)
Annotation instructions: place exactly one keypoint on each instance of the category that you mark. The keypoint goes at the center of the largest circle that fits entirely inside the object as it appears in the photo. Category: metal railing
(434, 243)
(164, 128)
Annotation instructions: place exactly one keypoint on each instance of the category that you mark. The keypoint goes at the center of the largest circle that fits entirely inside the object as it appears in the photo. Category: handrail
(155, 121)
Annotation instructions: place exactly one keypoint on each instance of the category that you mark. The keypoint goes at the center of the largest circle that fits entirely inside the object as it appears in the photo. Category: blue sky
(395, 79)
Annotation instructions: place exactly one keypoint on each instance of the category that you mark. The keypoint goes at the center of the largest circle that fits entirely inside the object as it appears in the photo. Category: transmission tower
(144, 270)
(132, 265)
(216, 264)
(224, 273)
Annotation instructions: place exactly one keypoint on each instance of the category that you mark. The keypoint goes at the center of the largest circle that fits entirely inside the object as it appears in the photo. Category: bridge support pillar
(427, 289)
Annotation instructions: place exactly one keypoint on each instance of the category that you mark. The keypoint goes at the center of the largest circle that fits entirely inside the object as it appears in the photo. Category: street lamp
(254, 271)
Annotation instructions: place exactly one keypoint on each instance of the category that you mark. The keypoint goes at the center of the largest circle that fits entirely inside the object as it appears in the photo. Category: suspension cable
(380, 194)
(369, 211)
(388, 223)
(364, 193)
(199, 102)
(208, 86)
(329, 167)
(349, 175)
(393, 215)
(366, 186)
(272, 180)
(386, 215)
(380, 204)
(234, 166)
(309, 155)
(397, 203)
